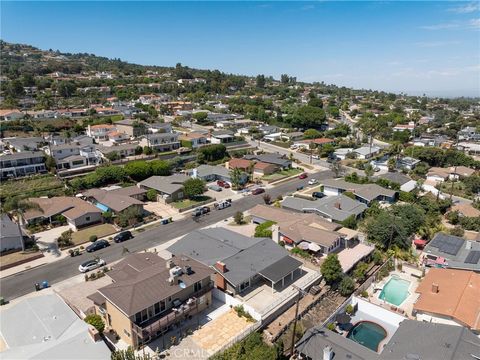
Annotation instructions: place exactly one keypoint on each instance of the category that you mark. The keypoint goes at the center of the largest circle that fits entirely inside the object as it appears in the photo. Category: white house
(367, 152)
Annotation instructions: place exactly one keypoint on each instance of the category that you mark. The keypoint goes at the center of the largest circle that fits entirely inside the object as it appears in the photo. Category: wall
(379, 312)
(231, 301)
(120, 322)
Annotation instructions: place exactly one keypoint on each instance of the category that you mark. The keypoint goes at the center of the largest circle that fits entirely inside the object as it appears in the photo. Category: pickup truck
(200, 211)
(223, 204)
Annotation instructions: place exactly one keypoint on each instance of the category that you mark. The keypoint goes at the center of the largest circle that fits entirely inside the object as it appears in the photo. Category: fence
(231, 301)
(239, 337)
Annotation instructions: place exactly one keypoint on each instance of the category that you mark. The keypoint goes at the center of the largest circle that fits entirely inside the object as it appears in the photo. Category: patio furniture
(343, 318)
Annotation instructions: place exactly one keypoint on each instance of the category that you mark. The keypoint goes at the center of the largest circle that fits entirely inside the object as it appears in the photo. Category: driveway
(47, 239)
(159, 209)
(219, 195)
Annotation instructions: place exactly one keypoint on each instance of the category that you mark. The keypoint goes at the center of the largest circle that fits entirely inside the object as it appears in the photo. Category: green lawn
(282, 174)
(83, 236)
(32, 187)
(182, 204)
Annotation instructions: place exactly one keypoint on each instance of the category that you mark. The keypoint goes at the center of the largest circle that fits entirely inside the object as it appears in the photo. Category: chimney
(170, 264)
(220, 266)
(337, 205)
(435, 288)
(327, 353)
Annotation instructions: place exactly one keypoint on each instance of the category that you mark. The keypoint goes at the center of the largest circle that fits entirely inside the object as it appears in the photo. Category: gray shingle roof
(8, 228)
(368, 192)
(326, 206)
(205, 170)
(270, 159)
(22, 155)
(165, 184)
(395, 177)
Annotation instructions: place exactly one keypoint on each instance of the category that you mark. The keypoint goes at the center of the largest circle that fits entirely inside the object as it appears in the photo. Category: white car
(312, 181)
(91, 265)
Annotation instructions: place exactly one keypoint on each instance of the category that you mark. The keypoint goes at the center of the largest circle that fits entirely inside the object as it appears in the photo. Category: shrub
(263, 230)
(331, 326)
(241, 312)
(93, 238)
(347, 285)
(331, 269)
(152, 195)
(349, 309)
(364, 294)
(96, 321)
(238, 218)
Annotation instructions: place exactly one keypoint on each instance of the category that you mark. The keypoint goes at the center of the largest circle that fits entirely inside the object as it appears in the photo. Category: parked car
(223, 184)
(316, 157)
(258, 191)
(299, 187)
(332, 158)
(312, 181)
(123, 236)
(303, 176)
(200, 211)
(215, 188)
(318, 194)
(97, 245)
(223, 204)
(91, 265)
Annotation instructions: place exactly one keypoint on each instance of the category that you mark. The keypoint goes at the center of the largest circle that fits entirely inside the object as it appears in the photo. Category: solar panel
(448, 244)
(473, 257)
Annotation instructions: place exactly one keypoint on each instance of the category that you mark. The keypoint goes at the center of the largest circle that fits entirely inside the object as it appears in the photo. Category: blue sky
(415, 47)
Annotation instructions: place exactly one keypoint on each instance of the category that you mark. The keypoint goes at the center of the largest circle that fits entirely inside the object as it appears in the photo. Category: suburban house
(317, 142)
(222, 137)
(100, 132)
(263, 168)
(169, 188)
(275, 159)
(406, 184)
(407, 163)
(132, 128)
(159, 127)
(45, 327)
(161, 141)
(332, 208)
(242, 164)
(466, 210)
(459, 172)
(22, 164)
(116, 199)
(367, 152)
(123, 150)
(116, 137)
(268, 129)
(11, 235)
(410, 339)
(210, 173)
(193, 140)
(306, 231)
(11, 114)
(292, 136)
(404, 127)
(240, 262)
(342, 153)
(71, 156)
(149, 295)
(365, 193)
(453, 252)
(438, 174)
(20, 144)
(469, 133)
(78, 213)
(449, 296)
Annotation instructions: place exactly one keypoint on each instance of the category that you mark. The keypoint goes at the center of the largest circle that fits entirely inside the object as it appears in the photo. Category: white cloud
(474, 23)
(443, 26)
(466, 9)
(430, 44)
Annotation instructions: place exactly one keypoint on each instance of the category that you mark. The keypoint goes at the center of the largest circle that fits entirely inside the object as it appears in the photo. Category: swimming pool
(102, 207)
(368, 334)
(395, 291)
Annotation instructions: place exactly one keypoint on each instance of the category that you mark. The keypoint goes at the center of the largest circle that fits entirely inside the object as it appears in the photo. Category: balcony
(150, 328)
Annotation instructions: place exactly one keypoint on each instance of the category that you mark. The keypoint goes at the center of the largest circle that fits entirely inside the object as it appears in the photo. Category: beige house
(148, 295)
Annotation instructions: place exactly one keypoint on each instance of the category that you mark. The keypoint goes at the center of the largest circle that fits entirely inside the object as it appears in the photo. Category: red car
(258, 191)
(303, 176)
(223, 184)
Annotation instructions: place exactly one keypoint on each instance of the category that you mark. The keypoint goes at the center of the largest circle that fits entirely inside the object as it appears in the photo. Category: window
(163, 305)
(126, 332)
(157, 308)
(197, 286)
(244, 285)
(150, 311)
(87, 218)
(138, 318)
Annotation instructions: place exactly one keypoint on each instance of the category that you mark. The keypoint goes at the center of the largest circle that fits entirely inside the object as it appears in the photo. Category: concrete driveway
(219, 195)
(159, 209)
(47, 239)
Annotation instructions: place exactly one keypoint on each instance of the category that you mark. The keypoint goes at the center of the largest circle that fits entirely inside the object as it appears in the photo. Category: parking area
(159, 209)
(219, 195)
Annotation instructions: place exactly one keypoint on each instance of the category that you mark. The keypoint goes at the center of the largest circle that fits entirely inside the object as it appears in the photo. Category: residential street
(23, 283)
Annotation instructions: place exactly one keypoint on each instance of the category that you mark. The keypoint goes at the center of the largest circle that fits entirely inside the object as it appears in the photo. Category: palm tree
(17, 207)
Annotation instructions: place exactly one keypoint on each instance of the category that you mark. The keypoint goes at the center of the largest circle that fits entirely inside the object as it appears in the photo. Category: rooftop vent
(327, 353)
(435, 288)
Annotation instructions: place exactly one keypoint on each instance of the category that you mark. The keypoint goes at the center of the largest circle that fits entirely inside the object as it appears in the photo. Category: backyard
(43, 185)
(185, 203)
(100, 231)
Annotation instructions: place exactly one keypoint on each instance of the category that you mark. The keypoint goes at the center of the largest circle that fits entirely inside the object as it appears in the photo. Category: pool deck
(406, 307)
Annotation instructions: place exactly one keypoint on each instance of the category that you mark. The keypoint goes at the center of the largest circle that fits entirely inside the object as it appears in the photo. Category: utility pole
(299, 295)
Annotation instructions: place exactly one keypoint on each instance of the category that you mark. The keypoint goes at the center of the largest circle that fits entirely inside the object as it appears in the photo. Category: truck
(223, 204)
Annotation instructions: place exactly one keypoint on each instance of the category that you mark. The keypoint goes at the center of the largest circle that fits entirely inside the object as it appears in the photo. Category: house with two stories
(100, 132)
(11, 114)
(133, 128)
(407, 163)
(222, 137)
(365, 193)
(161, 141)
(240, 262)
(149, 295)
(21, 164)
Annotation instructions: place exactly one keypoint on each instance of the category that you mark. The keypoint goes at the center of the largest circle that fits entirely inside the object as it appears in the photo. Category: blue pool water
(368, 334)
(395, 291)
(102, 207)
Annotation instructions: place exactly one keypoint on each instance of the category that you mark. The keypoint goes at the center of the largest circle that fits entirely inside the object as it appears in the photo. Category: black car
(318, 194)
(97, 245)
(123, 236)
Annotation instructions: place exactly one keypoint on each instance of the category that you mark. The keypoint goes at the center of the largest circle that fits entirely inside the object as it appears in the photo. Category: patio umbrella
(343, 318)
(346, 327)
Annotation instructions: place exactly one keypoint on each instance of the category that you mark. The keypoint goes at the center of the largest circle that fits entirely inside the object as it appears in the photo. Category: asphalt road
(23, 283)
